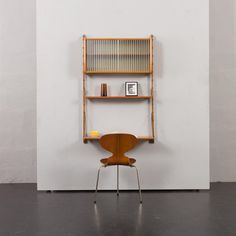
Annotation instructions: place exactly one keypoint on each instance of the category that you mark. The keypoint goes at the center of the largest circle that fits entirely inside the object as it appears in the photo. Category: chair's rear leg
(98, 174)
(117, 191)
(140, 194)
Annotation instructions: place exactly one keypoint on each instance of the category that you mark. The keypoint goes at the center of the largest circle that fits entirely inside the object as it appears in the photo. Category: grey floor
(26, 212)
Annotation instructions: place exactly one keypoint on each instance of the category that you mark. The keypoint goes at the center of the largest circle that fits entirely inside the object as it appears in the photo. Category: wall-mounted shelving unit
(118, 56)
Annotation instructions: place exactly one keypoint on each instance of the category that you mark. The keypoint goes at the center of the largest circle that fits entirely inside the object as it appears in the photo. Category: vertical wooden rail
(84, 87)
(152, 88)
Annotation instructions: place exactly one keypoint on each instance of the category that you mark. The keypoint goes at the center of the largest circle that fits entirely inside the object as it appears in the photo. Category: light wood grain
(118, 97)
(118, 72)
(84, 88)
(125, 39)
(144, 138)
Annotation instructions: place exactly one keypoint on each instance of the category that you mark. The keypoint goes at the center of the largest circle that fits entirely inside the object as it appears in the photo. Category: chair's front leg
(117, 191)
(140, 194)
(98, 174)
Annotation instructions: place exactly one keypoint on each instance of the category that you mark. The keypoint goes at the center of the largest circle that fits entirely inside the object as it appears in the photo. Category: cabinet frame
(148, 72)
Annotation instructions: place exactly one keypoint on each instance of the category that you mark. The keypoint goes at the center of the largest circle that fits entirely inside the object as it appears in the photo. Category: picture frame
(131, 88)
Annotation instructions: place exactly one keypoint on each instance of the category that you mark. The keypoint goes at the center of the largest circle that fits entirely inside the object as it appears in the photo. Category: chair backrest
(118, 144)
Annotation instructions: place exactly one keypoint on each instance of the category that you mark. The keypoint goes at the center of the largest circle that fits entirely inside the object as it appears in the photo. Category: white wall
(223, 89)
(19, 15)
(17, 91)
(180, 158)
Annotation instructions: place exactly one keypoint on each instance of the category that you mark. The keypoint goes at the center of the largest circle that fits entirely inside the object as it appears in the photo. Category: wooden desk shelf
(121, 56)
(118, 97)
(141, 138)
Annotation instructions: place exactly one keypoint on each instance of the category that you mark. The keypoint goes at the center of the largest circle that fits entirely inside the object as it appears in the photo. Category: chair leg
(140, 194)
(95, 200)
(117, 192)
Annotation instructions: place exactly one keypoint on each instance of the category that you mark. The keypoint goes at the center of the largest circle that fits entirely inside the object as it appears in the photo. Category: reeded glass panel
(108, 55)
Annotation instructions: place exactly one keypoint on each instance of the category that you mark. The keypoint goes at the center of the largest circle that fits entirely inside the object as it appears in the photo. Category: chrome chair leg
(95, 200)
(140, 194)
(98, 174)
(117, 192)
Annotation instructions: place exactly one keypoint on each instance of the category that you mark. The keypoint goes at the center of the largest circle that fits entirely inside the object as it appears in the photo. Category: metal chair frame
(117, 191)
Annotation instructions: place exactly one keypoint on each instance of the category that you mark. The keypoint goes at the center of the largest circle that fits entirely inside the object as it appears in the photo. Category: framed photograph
(131, 88)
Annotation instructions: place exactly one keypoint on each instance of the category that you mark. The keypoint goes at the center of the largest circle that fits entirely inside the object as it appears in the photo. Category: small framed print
(131, 88)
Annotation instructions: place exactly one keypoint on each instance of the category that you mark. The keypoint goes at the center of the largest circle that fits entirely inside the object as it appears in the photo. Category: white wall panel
(17, 91)
(179, 159)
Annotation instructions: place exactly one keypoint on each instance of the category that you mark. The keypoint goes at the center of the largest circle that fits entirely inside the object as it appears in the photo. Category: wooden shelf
(120, 54)
(118, 72)
(118, 97)
(124, 39)
(142, 138)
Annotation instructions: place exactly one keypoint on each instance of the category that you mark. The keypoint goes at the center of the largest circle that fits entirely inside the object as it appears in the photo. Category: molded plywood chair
(118, 145)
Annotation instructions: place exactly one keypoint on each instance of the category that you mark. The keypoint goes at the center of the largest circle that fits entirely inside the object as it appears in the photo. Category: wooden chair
(118, 144)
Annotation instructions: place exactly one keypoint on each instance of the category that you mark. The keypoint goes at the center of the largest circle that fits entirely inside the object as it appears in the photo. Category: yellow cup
(94, 133)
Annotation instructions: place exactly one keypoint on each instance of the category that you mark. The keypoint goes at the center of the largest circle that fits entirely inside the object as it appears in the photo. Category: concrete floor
(26, 212)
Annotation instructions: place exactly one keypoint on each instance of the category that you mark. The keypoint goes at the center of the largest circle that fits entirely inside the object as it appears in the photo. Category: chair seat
(109, 162)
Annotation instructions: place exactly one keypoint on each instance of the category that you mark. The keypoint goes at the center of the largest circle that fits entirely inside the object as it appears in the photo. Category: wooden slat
(118, 97)
(152, 86)
(144, 138)
(84, 85)
(117, 72)
(125, 39)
